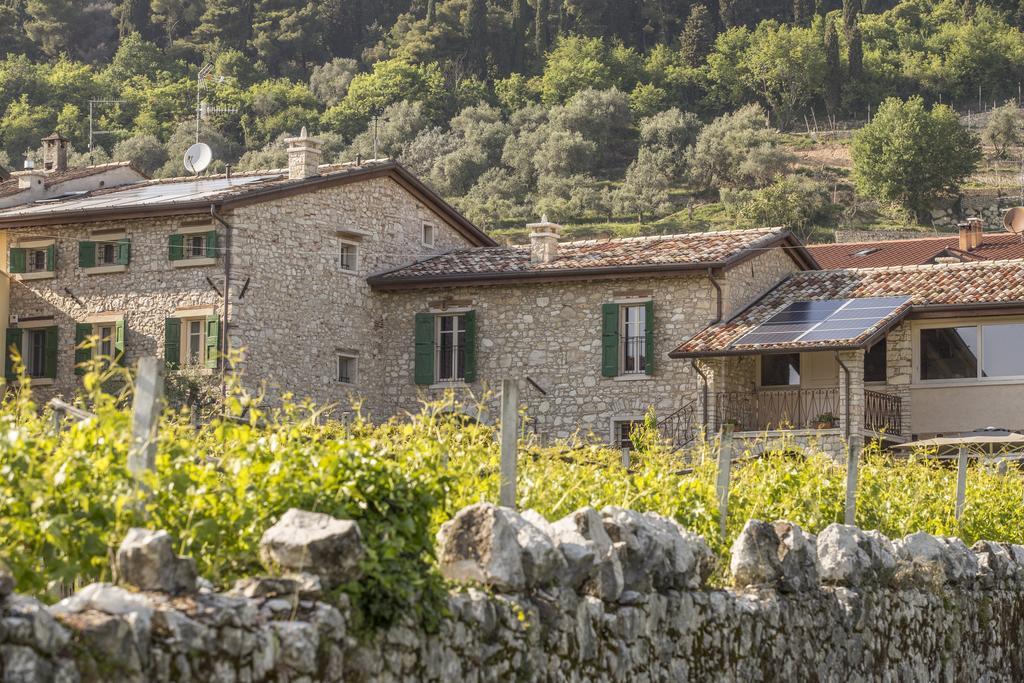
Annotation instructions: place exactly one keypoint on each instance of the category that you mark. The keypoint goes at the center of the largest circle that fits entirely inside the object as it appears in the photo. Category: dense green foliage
(509, 107)
(67, 499)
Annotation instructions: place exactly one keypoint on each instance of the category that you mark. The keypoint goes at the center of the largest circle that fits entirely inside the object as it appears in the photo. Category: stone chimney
(971, 233)
(544, 241)
(303, 156)
(55, 153)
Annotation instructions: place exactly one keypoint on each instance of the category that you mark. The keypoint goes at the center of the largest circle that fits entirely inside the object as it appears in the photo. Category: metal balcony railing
(883, 412)
(777, 408)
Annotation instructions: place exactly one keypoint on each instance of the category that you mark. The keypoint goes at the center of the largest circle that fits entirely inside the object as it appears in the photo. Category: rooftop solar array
(143, 194)
(831, 320)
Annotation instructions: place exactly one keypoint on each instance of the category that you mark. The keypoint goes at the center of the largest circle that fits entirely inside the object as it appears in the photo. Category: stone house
(143, 267)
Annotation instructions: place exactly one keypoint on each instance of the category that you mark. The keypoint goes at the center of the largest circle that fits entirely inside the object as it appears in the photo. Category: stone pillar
(900, 370)
(854, 362)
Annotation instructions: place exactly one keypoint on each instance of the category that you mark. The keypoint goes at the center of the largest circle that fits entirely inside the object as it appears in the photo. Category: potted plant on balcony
(825, 421)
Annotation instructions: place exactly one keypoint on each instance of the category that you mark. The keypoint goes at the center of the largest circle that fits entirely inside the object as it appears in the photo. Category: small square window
(195, 246)
(106, 253)
(347, 368)
(348, 256)
(428, 235)
(622, 432)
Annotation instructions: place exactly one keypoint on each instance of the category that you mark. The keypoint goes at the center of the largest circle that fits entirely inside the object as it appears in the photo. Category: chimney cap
(55, 135)
(302, 139)
(544, 226)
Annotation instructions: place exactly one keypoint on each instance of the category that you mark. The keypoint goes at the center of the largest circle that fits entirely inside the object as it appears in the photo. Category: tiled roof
(660, 251)
(917, 251)
(959, 284)
(10, 187)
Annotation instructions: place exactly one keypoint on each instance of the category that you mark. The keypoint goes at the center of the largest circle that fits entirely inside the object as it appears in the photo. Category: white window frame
(624, 336)
(431, 229)
(460, 318)
(979, 323)
(354, 245)
(353, 376)
(185, 338)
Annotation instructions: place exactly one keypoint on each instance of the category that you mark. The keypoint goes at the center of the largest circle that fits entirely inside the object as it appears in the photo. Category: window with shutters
(627, 339)
(33, 260)
(445, 347)
(633, 340)
(107, 255)
(451, 347)
(193, 246)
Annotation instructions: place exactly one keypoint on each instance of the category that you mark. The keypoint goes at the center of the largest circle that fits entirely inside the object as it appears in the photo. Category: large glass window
(634, 339)
(1002, 350)
(451, 348)
(949, 353)
(780, 370)
(874, 363)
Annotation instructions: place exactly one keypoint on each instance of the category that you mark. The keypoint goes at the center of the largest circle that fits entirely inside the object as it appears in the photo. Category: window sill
(193, 262)
(38, 275)
(448, 385)
(37, 381)
(351, 385)
(103, 270)
(350, 273)
(633, 377)
(202, 372)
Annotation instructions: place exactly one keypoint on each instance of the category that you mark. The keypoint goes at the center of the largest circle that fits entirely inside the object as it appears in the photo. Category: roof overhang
(392, 170)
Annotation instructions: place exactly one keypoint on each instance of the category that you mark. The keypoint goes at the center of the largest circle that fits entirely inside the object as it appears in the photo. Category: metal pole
(509, 434)
(725, 447)
(961, 482)
(852, 465)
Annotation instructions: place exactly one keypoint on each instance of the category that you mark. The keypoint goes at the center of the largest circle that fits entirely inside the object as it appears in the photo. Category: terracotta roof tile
(710, 248)
(959, 284)
(912, 252)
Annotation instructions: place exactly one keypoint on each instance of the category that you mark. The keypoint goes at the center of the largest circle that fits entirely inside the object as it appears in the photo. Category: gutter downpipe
(227, 290)
(846, 412)
(705, 390)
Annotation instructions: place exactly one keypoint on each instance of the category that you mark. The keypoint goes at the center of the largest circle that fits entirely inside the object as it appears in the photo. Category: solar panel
(822, 321)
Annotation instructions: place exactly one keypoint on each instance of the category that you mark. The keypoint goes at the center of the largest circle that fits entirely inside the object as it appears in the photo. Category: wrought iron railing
(778, 409)
(883, 412)
(634, 355)
(450, 362)
(680, 428)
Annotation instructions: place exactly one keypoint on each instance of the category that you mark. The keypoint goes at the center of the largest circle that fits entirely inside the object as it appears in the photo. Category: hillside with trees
(615, 115)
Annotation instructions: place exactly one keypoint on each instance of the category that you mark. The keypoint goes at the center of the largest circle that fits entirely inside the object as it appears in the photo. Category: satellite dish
(1013, 220)
(198, 157)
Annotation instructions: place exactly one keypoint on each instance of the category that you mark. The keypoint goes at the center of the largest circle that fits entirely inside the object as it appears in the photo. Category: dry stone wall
(610, 595)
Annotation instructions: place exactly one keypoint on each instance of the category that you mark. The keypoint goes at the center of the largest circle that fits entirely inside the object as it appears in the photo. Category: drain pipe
(846, 413)
(227, 294)
(718, 297)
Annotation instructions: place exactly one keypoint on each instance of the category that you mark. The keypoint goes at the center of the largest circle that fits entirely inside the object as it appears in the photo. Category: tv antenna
(92, 130)
(377, 116)
(203, 108)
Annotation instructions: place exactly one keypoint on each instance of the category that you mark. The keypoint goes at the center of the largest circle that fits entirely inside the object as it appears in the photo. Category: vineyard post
(509, 433)
(146, 407)
(852, 464)
(961, 482)
(725, 447)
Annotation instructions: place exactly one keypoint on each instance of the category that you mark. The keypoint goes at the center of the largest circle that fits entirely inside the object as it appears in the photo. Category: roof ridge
(676, 235)
(926, 266)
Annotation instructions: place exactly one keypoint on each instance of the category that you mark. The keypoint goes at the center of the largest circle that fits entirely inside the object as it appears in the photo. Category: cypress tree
(698, 36)
(540, 34)
(134, 17)
(431, 11)
(851, 10)
(833, 69)
(803, 12)
(476, 33)
(520, 29)
(855, 53)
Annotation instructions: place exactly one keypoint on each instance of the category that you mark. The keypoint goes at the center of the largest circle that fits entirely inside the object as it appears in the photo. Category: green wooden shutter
(469, 350)
(50, 371)
(16, 260)
(649, 341)
(124, 251)
(610, 340)
(13, 339)
(176, 245)
(86, 254)
(51, 257)
(211, 244)
(82, 354)
(119, 341)
(172, 342)
(424, 348)
(212, 340)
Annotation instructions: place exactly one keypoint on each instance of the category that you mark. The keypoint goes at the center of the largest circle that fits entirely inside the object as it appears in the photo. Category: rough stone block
(315, 543)
(778, 555)
(848, 556)
(146, 560)
(480, 544)
(938, 558)
(657, 553)
(589, 553)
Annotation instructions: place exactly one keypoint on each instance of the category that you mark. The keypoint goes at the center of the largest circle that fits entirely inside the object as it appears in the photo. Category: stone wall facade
(629, 602)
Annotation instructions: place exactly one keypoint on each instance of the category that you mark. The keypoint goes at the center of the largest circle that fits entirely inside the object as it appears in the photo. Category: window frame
(353, 376)
(28, 353)
(188, 246)
(979, 324)
(781, 387)
(624, 339)
(424, 228)
(47, 246)
(354, 246)
(884, 343)
(617, 439)
(183, 341)
(460, 321)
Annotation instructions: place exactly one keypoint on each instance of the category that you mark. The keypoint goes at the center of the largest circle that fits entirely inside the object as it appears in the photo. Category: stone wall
(987, 205)
(597, 596)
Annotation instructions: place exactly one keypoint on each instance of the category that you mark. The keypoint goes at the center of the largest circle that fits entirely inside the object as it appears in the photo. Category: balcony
(787, 409)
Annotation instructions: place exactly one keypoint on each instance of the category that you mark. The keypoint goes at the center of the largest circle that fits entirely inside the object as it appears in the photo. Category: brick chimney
(976, 226)
(55, 153)
(303, 156)
(544, 240)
